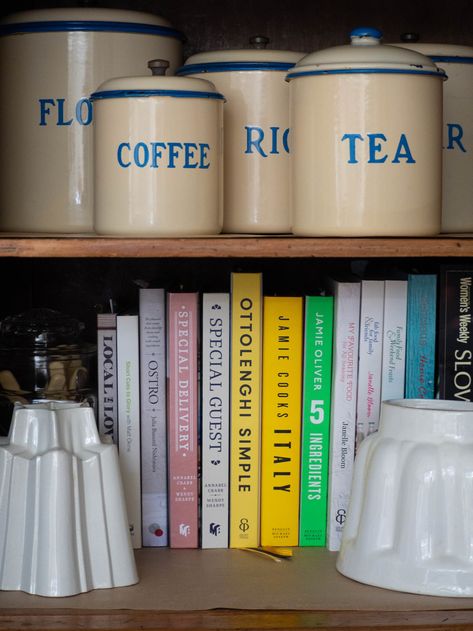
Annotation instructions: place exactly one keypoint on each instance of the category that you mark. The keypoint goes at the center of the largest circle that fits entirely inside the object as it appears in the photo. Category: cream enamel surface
(331, 197)
(159, 201)
(47, 170)
(256, 188)
(457, 197)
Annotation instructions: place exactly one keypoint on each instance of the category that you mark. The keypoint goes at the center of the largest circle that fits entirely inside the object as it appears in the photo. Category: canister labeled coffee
(50, 62)
(158, 156)
(457, 180)
(366, 124)
(256, 130)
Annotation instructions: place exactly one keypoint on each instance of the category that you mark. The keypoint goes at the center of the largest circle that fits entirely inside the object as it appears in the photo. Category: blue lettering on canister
(275, 141)
(141, 154)
(168, 155)
(84, 112)
(376, 147)
(55, 112)
(455, 135)
(120, 149)
(352, 138)
(376, 153)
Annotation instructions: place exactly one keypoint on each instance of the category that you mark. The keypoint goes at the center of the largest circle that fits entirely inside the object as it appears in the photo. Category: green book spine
(317, 376)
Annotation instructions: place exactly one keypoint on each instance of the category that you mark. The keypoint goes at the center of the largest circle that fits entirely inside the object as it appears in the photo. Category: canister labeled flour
(158, 156)
(457, 198)
(257, 137)
(366, 124)
(50, 62)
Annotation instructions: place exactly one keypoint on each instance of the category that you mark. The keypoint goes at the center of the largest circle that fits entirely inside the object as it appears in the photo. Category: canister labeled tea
(457, 197)
(257, 137)
(366, 125)
(158, 156)
(50, 62)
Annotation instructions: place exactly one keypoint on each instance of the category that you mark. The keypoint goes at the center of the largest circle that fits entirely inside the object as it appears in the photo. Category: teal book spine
(315, 445)
(421, 336)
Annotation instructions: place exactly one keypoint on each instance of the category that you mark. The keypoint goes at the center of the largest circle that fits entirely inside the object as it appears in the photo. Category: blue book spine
(421, 336)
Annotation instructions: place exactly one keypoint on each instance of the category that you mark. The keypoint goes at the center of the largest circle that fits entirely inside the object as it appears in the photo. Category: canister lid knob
(259, 41)
(410, 37)
(158, 66)
(365, 35)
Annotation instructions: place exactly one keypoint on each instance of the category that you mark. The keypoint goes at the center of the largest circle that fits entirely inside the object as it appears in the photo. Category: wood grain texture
(232, 620)
(234, 247)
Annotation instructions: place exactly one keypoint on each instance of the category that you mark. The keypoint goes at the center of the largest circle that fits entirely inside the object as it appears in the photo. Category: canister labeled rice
(50, 62)
(366, 125)
(158, 156)
(257, 136)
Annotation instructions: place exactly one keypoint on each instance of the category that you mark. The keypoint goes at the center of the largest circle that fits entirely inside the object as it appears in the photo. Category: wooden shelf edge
(233, 247)
(234, 619)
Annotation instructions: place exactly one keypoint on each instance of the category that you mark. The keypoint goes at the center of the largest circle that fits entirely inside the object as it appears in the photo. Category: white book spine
(370, 358)
(343, 417)
(394, 339)
(215, 420)
(152, 315)
(107, 404)
(128, 372)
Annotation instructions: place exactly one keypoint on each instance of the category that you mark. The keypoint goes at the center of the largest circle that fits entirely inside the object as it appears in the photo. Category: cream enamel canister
(256, 132)
(50, 62)
(158, 156)
(366, 125)
(457, 202)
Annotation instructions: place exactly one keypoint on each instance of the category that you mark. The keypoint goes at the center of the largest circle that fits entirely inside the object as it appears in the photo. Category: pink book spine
(182, 420)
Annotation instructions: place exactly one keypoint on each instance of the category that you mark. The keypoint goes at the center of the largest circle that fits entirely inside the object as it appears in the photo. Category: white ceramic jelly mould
(409, 525)
(63, 521)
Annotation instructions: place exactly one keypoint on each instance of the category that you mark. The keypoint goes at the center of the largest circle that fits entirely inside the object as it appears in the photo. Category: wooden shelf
(230, 246)
(235, 589)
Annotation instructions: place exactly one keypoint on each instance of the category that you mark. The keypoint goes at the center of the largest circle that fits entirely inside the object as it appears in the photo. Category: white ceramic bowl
(63, 522)
(410, 521)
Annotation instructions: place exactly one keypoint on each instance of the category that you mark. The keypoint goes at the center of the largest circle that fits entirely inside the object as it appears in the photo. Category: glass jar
(43, 357)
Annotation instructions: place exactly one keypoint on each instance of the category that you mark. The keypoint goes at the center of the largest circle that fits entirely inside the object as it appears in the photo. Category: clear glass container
(43, 357)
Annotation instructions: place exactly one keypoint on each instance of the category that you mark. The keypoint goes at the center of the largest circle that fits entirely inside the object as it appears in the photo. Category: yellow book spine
(246, 325)
(281, 420)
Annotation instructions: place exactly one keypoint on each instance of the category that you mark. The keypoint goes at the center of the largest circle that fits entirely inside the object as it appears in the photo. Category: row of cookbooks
(237, 415)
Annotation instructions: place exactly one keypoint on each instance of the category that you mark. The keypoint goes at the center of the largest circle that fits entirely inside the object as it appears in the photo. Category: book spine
(245, 411)
(107, 403)
(215, 361)
(128, 379)
(343, 419)
(393, 370)
(152, 317)
(421, 336)
(370, 355)
(281, 426)
(182, 326)
(455, 335)
(317, 376)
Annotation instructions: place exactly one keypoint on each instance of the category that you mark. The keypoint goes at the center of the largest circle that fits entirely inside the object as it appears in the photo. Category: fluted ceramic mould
(410, 521)
(63, 522)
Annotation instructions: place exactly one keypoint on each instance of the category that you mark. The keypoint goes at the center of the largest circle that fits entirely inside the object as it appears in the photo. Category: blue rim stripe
(451, 59)
(225, 66)
(432, 73)
(180, 94)
(88, 25)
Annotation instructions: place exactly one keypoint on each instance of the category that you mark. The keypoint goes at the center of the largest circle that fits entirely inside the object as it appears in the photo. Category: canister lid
(156, 85)
(446, 53)
(87, 19)
(365, 55)
(258, 57)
